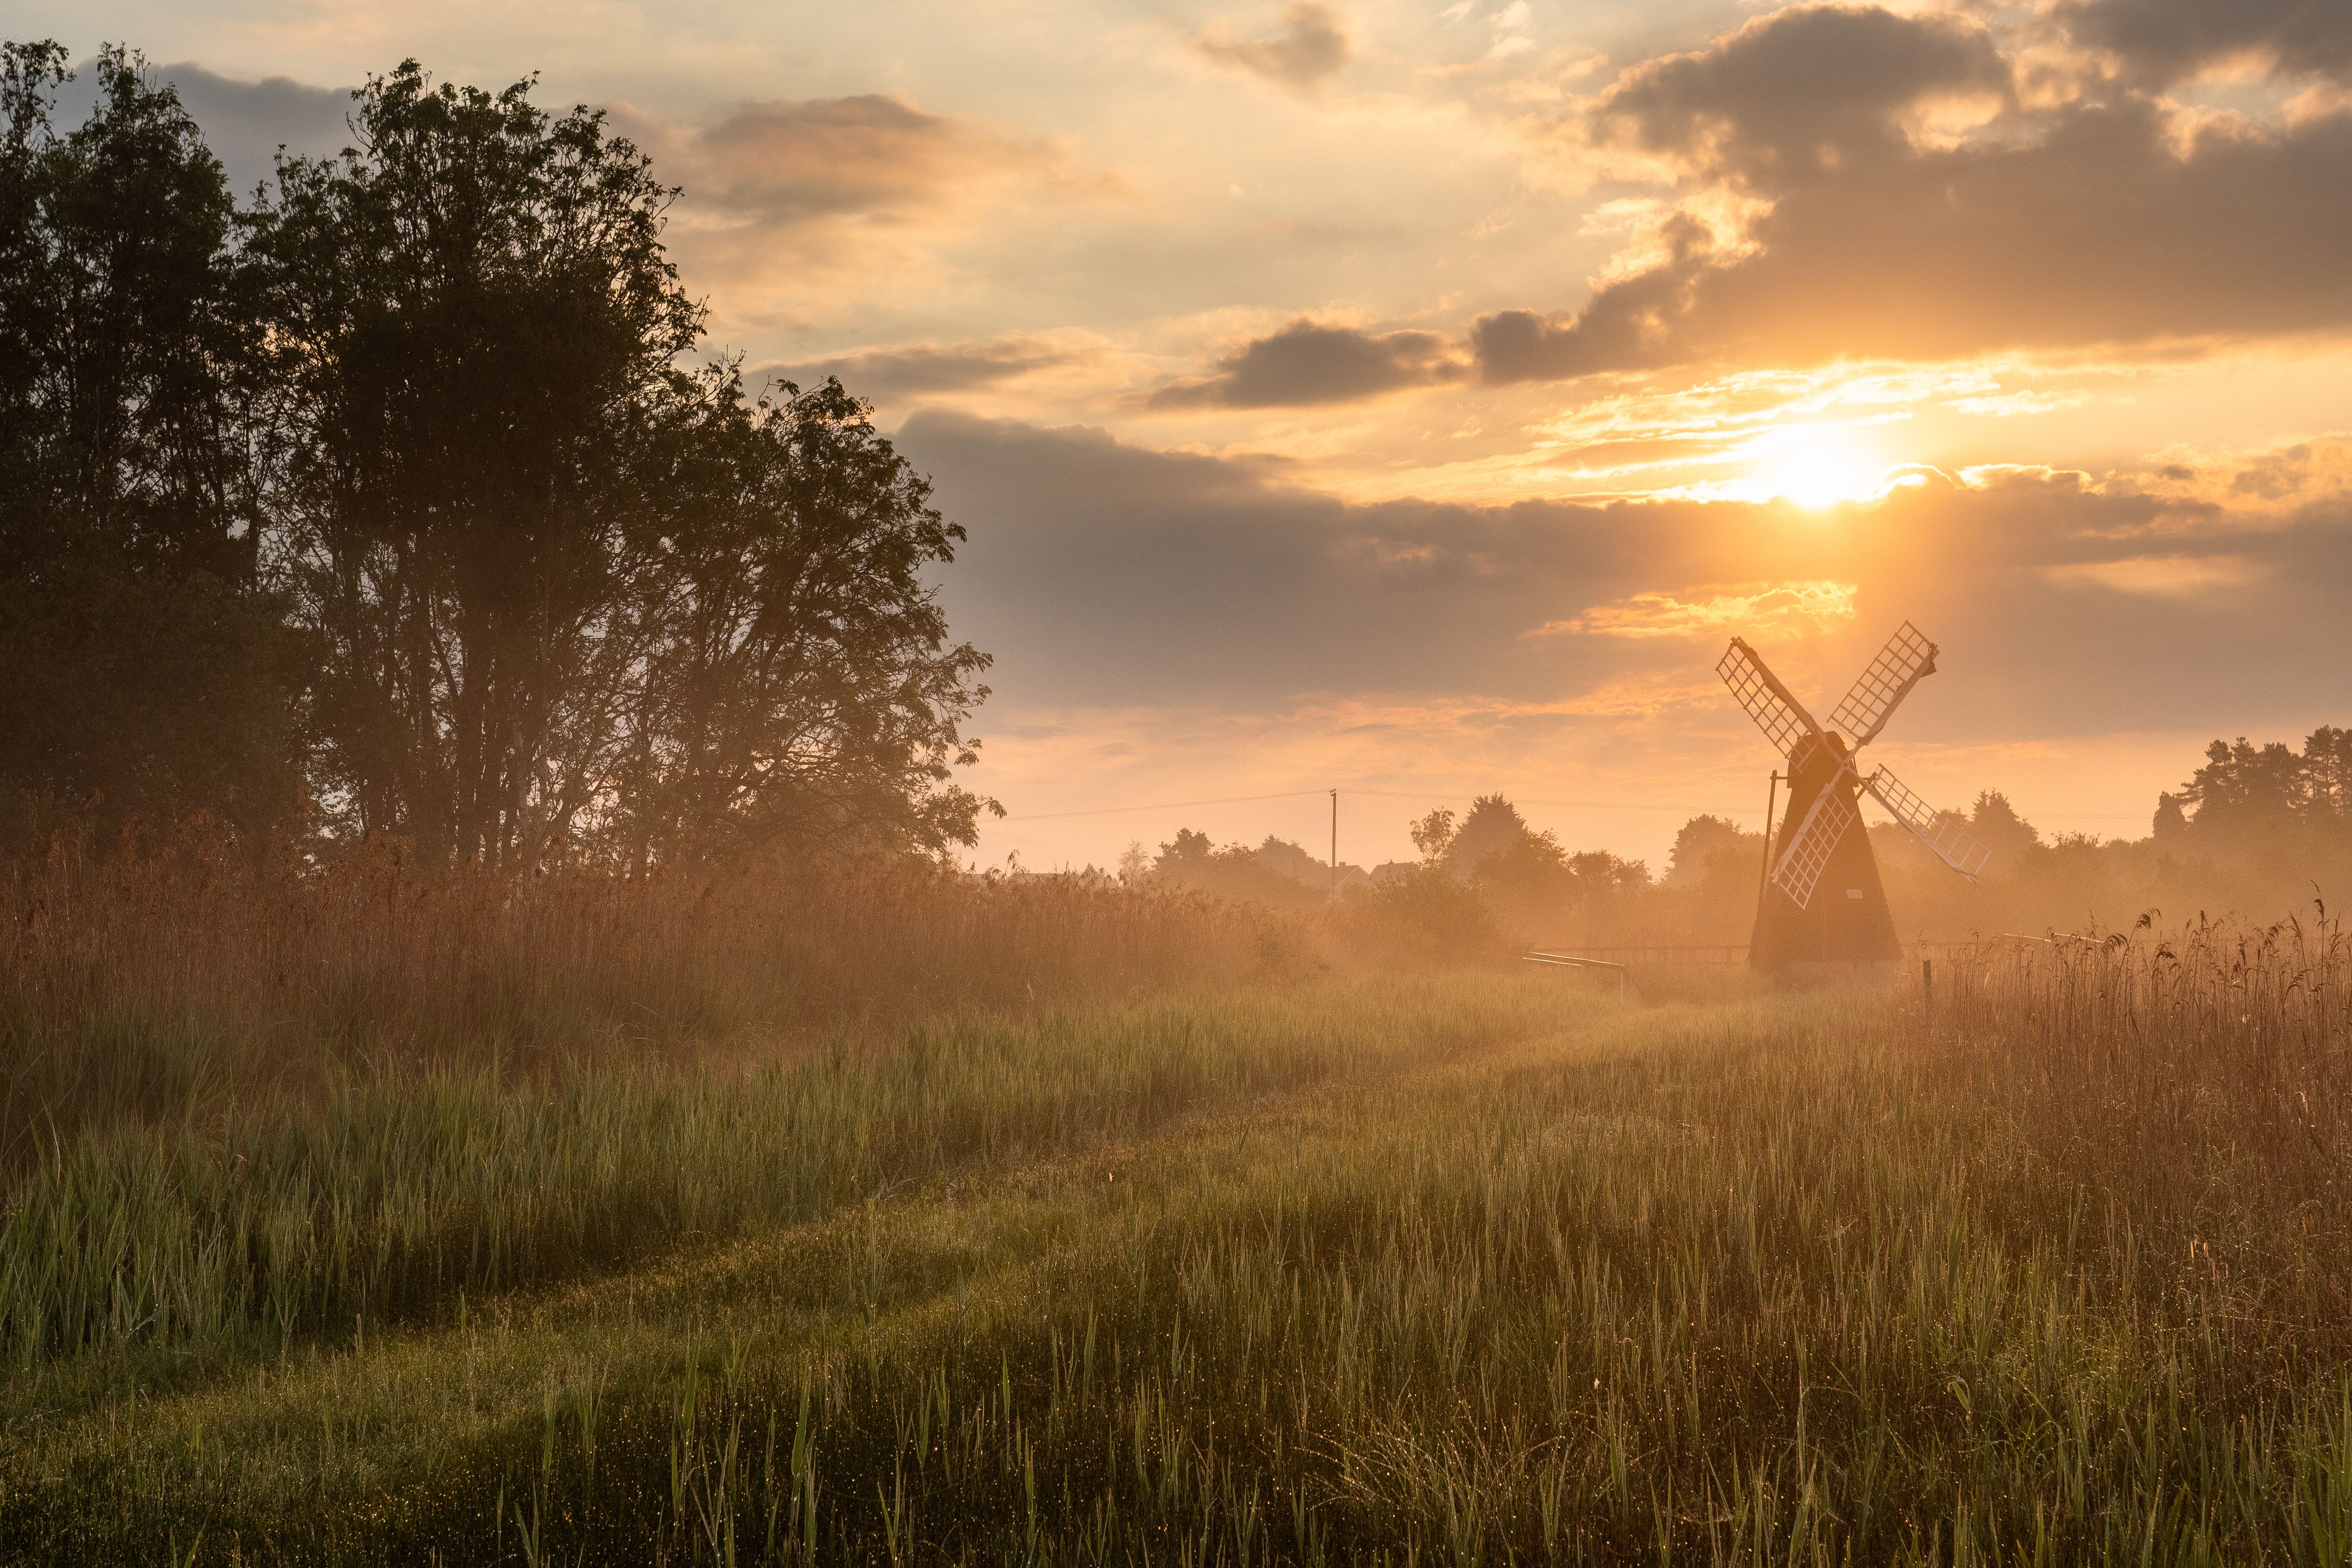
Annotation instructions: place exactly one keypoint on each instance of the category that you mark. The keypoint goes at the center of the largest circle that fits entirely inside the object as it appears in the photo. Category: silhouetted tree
(1188, 851)
(1276, 873)
(2170, 821)
(2327, 776)
(1432, 834)
(571, 596)
(1491, 825)
(1995, 824)
(1698, 841)
(797, 680)
(1598, 872)
(466, 314)
(142, 667)
(2245, 791)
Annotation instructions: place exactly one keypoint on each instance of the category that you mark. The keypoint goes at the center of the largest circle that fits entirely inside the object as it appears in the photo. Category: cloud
(1103, 575)
(1756, 609)
(244, 123)
(1804, 93)
(1306, 365)
(2281, 481)
(912, 369)
(875, 159)
(1309, 48)
(801, 194)
(2157, 42)
(1511, 27)
(2171, 576)
(1636, 323)
(784, 168)
(2106, 221)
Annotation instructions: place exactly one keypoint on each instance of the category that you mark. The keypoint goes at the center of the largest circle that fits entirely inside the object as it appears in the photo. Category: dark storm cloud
(1101, 573)
(1309, 48)
(2161, 41)
(909, 369)
(2089, 224)
(1305, 365)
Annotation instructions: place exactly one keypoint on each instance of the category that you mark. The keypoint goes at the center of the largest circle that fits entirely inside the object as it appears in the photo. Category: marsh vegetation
(1116, 1227)
(499, 1062)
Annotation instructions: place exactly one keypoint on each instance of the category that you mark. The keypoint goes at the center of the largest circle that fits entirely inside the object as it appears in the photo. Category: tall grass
(154, 982)
(1475, 1268)
(396, 1196)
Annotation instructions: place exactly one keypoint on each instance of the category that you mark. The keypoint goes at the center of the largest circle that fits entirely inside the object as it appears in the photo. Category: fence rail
(1734, 952)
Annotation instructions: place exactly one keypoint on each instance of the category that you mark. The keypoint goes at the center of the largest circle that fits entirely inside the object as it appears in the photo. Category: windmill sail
(1953, 847)
(1781, 716)
(1809, 851)
(1907, 660)
(1822, 834)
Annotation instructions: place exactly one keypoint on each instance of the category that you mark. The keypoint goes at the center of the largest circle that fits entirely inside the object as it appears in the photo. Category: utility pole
(1335, 843)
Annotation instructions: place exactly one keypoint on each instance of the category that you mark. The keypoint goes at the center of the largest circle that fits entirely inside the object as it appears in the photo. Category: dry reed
(159, 982)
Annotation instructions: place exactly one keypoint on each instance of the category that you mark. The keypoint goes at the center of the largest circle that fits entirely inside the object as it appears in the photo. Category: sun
(1816, 466)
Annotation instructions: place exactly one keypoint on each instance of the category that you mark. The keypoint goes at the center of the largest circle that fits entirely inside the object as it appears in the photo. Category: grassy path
(250, 1432)
(1477, 1269)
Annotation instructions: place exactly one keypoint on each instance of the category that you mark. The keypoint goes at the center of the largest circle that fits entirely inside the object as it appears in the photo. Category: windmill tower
(1824, 902)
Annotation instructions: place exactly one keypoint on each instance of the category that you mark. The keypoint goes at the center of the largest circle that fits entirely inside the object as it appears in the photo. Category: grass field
(1460, 1267)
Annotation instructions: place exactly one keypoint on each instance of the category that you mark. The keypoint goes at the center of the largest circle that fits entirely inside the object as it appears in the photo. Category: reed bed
(156, 982)
(1468, 1269)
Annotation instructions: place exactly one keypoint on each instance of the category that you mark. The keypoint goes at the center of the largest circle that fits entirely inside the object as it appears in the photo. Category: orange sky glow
(1411, 399)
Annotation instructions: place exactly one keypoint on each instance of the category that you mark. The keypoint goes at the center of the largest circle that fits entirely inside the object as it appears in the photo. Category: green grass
(1469, 1269)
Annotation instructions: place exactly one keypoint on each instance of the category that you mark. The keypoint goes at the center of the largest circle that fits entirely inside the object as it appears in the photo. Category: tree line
(2260, 829)
(394, 501)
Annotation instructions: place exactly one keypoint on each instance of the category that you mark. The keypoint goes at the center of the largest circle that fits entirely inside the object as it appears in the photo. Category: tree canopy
(145, 668)
(401, 491)
(2248, 792)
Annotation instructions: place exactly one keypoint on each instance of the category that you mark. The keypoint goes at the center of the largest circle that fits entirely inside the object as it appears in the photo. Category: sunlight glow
(1816, 466)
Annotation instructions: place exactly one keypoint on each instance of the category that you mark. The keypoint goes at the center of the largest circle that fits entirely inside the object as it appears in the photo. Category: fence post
(1927, 989)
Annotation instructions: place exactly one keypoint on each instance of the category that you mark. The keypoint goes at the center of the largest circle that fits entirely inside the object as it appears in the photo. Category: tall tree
(571, 596)
(1698, 843)
(2327, 776)
(798, 682)
(141, 666)
(1492, 825)
(468, 311)
(2247, 792)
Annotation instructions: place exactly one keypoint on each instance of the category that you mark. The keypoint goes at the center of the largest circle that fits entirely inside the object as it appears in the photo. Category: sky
(1412, 400)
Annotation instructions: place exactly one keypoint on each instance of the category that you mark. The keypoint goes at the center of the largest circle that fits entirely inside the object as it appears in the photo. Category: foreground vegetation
(1245, 1255)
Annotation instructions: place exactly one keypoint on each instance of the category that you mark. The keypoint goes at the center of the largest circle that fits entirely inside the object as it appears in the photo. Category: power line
(1388, 794)
(1170, 806)
(1580, 805)
(1457, 794)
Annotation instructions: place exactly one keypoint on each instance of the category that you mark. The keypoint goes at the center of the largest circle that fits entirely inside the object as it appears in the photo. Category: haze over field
(1414, 398)
(526, 1033)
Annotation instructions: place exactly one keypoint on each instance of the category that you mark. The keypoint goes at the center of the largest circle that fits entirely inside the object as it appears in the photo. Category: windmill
(1823, 901)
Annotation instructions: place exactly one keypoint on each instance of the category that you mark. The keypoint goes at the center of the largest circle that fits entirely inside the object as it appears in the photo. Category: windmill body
(1847, 919)
(1823, 903)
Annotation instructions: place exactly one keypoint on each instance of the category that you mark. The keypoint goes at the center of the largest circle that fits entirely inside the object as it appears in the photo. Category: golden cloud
(1762, 609)
(788, 200)
(1886, 186)
(2170, 576)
